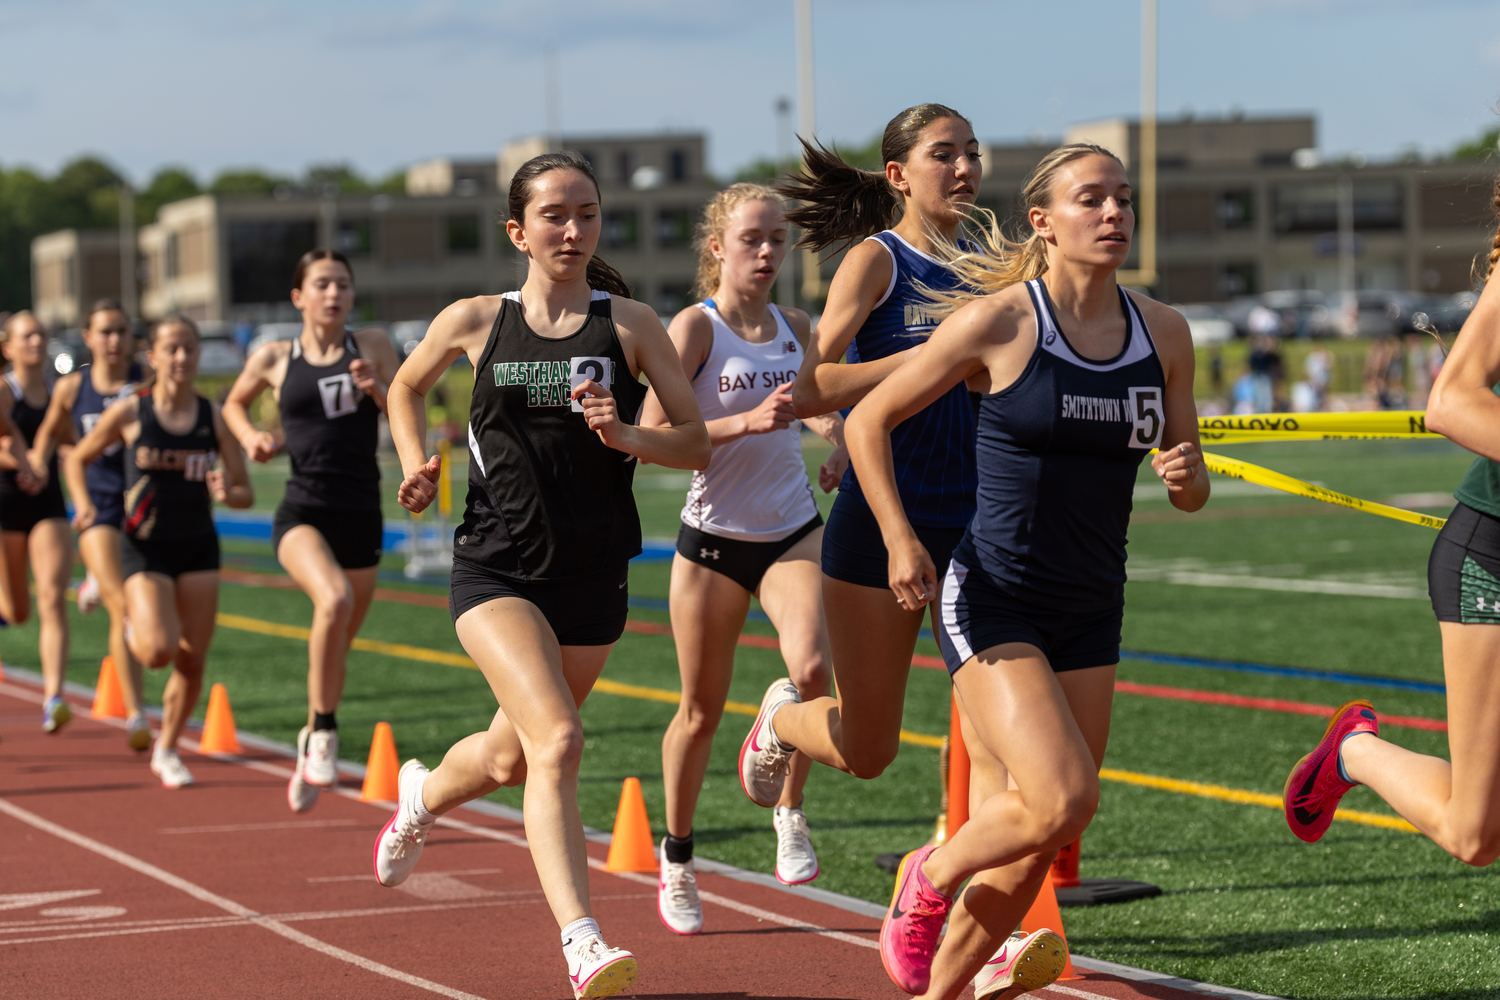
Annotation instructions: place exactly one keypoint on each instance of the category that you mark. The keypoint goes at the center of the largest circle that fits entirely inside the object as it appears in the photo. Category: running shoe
(400, 843)
(763, 760)
(677, 901)
(138, 732)
(597, 970)
(55, 714)
(795, 861)
(167, 766)
(88, 594)
(301, 794)
(909, 932)
(1025, 962)
(1314, 787)
(322, 764)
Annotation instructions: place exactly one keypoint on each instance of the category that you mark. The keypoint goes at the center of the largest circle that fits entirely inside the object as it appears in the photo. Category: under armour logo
(1479, 603)
(789, 347)
(706, 554)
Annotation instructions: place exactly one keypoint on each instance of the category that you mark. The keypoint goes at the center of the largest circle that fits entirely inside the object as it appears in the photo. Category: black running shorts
(355, 536)
(854, 551)
(170, 557)
(743, 562)
(585, 612)
(24, 511)
(1463, 572)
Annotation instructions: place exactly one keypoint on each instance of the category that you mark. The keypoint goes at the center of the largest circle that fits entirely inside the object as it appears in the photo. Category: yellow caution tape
(1289, 484)
(1314, 426)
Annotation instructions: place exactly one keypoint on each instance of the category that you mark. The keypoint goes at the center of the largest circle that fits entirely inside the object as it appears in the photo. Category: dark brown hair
(843, 204)
(104, 305)
(307, 260)
(600, 274)
(174, 319)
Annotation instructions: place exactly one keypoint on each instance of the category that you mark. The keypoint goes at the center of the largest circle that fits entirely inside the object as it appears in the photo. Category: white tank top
(755, 488)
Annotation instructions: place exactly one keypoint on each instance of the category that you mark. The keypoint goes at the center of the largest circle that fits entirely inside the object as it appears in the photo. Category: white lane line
(23, 900)
(1071, 992)
(228, 905)
(247, 827)
(368, 877)
(1286, 584)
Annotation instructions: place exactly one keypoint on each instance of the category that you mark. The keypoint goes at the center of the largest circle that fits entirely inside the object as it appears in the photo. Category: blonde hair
(1494, 257)
(8, 329)
(1000, 261)
(714, 222)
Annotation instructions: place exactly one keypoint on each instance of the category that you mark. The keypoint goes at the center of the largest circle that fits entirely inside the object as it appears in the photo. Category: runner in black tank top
(173, 439)
(540, 561)
(1081, 382)
(79, 399)
(330, 384)
(34, 522)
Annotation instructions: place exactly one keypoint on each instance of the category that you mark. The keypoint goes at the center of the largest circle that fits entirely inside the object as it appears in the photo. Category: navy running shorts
(109, 507)
(585, 612)
(977, 615)
(1463, 572)
(354, 536)
(854, 551)
(743, 562)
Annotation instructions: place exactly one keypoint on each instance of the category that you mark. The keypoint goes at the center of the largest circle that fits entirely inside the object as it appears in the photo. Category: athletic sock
(771, 725)
(679, 850)
(419, 809)
(325, 720)
(1343, 773)
(580, 930)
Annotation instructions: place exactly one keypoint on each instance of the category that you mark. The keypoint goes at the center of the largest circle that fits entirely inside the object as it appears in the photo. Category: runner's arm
(1463, 406)
(684, 444)
(111, 427)
(57, 425)
(376, 367)
(230, 486)
(1179, 463)
(256, 377)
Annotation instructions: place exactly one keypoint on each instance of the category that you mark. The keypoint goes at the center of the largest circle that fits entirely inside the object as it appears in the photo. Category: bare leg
(100, 548)
(197, 603)
(872, 640)
(340, 600)
(1457, 805)
(708, 612)
(539, 686)
(51, 550)
(15, 596)
(792, 594)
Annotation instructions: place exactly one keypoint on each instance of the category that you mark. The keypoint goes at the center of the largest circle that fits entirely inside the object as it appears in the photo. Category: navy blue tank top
(106, 474)
(1058, 452)
(933, 449)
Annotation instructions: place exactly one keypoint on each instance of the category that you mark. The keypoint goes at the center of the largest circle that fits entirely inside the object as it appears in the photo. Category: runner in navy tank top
(330, 385)
(33, 520)
(876, 321)
(79, 399)
(1081, 382)
(174, 441)
(540, 562)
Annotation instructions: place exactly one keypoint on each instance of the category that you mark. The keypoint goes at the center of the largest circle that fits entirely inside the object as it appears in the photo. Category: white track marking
(248, 827)
(228, 905)
(366, 876)
(1070, 992)
(22, 900)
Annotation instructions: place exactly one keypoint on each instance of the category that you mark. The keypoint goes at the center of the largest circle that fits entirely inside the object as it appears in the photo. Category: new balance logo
(707, 554)
(788, 347)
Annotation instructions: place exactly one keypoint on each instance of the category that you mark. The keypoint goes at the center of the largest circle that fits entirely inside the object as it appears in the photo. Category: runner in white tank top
(755, 488)
(751, 526)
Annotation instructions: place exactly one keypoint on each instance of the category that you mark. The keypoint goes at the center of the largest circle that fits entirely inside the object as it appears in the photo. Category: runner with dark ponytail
(601, 275)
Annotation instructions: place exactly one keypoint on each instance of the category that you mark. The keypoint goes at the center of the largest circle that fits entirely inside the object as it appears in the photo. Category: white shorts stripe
(952, 583)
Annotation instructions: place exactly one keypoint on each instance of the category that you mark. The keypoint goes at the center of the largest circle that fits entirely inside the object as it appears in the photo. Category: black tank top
(330, 428)
(547, 499)
(166, 495)
(28, 420)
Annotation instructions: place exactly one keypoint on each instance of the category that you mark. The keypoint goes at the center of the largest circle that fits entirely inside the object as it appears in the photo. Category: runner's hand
(261, 446)
(831, 473)
(216, 485)
(84, 515)
(774, 413)
(418, 490)
(39, 472)
(601, 413)
(1178, 467)
(913, 578)
(364, 374)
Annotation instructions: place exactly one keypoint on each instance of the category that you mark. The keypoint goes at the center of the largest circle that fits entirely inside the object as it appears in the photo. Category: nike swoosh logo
(998, 959)
(1303, 815)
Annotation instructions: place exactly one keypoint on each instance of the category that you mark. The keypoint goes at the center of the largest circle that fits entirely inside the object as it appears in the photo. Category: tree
(168, 185)
(1478, 149)
(340, 176)
(84, 195)
(246, 181)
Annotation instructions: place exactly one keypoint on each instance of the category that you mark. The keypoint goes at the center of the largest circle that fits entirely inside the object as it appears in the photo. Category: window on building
(263, 255)
(1237, 279)
(355, 237)
(674, 227)
(624, 166)
(622, 229)
(171, 265)
(1313, 206)
(673, 296)
(677, 165)
(1236, 208)
(462, 234)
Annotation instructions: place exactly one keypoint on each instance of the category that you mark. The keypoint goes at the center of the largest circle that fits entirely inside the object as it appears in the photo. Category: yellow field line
(607, 686)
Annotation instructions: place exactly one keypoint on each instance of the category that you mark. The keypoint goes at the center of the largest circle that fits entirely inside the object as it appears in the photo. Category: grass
(1364, 913)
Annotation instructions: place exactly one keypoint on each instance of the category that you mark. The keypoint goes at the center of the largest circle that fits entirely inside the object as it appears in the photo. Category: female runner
(750, 527)
(1456, 804)
(540, 560)
(877, 315)
(1080, 381)
(169, 554)
(331, 386)
(33, 519)
(78, 400)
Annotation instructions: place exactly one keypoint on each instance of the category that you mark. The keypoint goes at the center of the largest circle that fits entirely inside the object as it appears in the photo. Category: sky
(382, 84)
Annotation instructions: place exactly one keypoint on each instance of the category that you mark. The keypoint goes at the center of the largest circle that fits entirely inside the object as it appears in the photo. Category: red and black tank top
(331, 429)
(547, 499)
(166, 488)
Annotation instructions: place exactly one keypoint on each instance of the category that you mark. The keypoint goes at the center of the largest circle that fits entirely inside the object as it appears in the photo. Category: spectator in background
(1216, 370)
(1269, 372)
(1318, 367)
(1385, 374)
(1418, 360)
(244, 332)
(1244, 392)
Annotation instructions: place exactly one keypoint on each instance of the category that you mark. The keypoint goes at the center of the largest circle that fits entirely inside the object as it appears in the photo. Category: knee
(1064, 814)
(558, 750)
(698, 722)
(337, 606)
(869, 762)
(20, 613)
(153, 650)
(1479, 848)
(811, 673)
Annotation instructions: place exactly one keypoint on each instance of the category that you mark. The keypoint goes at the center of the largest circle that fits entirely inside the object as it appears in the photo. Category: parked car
(407, 334)
(1206, 323)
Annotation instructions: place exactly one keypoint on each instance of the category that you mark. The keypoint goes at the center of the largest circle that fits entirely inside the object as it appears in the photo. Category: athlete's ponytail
(601, 274)
(1494, 256)
(1000, 261)
(843, 204)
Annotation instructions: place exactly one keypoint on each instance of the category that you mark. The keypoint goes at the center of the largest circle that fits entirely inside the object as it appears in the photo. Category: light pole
(128, 277)
(1145, 216)
(807, 124)
(786, 294)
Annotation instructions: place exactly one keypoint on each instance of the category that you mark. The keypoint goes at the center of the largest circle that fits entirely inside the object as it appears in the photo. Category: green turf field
(1368, 912)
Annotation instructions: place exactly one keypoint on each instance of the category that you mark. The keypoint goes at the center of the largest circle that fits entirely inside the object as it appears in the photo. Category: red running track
(115, 887)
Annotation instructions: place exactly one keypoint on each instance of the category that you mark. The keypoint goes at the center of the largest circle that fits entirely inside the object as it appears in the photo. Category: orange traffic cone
(1044, 913)
(382, 769)
(958, 772)
(630, 849)
(218, 724)
(109, 702)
